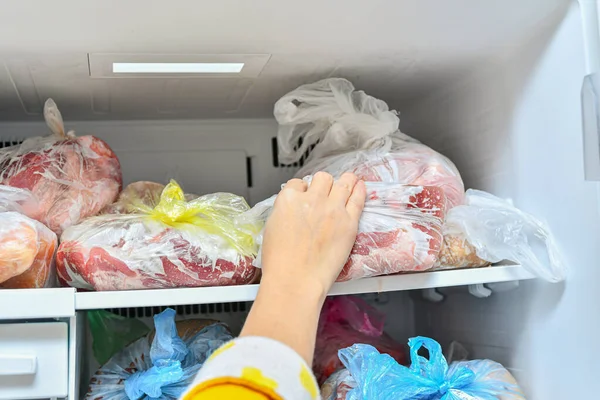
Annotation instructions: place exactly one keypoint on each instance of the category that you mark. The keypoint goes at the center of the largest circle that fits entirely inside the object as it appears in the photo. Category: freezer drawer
(33, 360)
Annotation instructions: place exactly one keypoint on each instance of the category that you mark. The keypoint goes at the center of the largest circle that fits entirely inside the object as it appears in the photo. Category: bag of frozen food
(347, 130)
(344, 321)
(377, 376)
(26, 246)
(172, 243)
(160, 365)
(112, 332)
(399, 230)
(72, 177)
(495, 230)
(337, 386)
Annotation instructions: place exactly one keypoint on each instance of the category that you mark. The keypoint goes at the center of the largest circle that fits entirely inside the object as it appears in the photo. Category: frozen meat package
(346, 320)
(72, 177)
(27, 246)
(164, 241)
(375, 376)
(399, 230)
(347, 130)
(160, 365)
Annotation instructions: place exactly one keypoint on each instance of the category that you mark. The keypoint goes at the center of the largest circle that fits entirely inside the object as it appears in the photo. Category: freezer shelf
(225, 294)
(37, 303)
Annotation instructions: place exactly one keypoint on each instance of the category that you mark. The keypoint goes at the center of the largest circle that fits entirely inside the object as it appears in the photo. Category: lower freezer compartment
(406, 314)
(397, 307)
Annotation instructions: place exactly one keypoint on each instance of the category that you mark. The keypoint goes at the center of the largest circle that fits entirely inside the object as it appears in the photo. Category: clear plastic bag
(499, 231)
(346, 320)
(71, 177)
(174, 243)
(26, 246)
(111, 332)
(161, 365)
(350, 131)
(377, 376)
(399, 230)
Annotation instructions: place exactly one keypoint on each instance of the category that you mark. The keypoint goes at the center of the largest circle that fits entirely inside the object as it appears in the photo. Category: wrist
(310, 292)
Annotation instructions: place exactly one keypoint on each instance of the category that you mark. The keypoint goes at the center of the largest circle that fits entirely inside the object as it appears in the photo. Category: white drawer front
(33, 360)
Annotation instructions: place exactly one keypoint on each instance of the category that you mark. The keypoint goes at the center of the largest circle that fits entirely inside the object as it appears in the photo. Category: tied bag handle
(54, 120)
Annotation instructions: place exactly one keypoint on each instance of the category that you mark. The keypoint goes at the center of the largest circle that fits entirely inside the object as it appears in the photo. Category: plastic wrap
(173, 243)
(377, 376)
(26, 246)
(346, 320)
(498, 231)
(111, 332)
(161, 365)
(399, 230)
(337, 386)
(349, 131)
(72, 177)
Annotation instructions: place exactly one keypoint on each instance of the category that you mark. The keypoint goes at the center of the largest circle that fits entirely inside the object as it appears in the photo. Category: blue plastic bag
(378, 376)
(162, 370)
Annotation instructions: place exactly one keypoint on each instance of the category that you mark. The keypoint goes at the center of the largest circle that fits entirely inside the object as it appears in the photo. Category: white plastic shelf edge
(37, 303)
(225, 294)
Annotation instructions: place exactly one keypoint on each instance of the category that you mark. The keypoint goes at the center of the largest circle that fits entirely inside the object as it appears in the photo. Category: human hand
(311, 231)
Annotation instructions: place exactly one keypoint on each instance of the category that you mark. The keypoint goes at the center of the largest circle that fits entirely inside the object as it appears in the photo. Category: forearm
(289, 315)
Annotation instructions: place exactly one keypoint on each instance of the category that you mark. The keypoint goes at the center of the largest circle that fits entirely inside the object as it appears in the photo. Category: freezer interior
(495, 86)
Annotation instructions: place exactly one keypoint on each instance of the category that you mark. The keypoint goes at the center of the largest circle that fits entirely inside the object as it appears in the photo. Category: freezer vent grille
(190, 309)
(299, 163)
(7, 142)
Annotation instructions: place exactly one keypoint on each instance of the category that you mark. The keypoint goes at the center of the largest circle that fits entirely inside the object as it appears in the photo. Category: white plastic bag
(499, 231)
(350, 131)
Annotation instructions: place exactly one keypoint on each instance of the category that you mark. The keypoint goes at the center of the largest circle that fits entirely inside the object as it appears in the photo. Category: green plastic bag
(111, 332)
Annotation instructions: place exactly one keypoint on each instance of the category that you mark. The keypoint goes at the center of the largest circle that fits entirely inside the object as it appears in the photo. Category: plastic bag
(26, 246)
(378, 376)
(111, 332)
(399, 230)
(174, 243)
(72, 177)
(346, 320)
(337, 386)
(350, 131)
(499, 231)
(161, 365)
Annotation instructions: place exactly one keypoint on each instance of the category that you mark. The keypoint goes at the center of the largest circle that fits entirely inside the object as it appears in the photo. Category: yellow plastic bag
(161, 241)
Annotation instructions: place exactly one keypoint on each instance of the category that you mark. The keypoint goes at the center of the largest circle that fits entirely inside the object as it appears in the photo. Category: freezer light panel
(177, 68)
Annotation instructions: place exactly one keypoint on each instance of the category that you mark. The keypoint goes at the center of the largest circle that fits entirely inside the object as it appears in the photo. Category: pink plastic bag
(72, 177)
(346, 320)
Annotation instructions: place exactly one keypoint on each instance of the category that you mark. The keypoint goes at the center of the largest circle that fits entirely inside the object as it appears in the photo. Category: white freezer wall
(514, 128)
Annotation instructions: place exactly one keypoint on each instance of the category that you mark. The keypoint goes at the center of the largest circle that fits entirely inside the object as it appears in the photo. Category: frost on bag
(172, 243)
(346, 320)
(160, 365)
(399, 230)
(350, 131)
(26, 246)
(376, 376)
(498, 231)
(72, 177)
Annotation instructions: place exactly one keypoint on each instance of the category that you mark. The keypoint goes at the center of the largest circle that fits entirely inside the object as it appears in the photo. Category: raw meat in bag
(399, 230)
(376, 376)
(174, 243)
(349, 131)
(346, 320)
(27, 246)
(136, 193)
(497, 231)
(160, 365)
(72, 177)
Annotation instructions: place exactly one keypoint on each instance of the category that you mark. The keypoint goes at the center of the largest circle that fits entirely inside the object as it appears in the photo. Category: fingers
(342, 189)
(321, 184)
(296, 184)
(356, 202)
